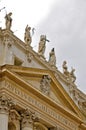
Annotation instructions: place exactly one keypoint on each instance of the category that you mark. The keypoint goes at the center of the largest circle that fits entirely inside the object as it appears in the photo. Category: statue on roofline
(42, 45)
(52, 57)
(69, 75)
(73, 77)
(8, 21)
(65, 68)
(27, 35)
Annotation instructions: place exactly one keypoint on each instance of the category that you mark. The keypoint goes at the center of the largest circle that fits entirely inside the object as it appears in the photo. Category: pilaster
(5, 105)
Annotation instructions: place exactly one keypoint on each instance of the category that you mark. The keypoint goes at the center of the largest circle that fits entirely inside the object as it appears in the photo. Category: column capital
(14, 115)
(5, 104)
(28, 117)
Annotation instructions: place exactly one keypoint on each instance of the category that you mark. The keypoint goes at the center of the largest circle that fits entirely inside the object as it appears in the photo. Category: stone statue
(52, 58)
(73, 77)
(69, 75)
(27, 35)
(8, 22)
(42, 45)
(65, 68)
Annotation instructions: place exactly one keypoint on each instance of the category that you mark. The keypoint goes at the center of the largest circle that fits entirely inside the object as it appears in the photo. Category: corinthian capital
(5, 103)
(28, 117)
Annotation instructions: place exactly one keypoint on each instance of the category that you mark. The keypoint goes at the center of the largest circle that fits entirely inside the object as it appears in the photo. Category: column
(5, 105)
(28, 118)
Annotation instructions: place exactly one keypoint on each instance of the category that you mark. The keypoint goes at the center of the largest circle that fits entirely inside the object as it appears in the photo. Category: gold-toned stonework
(34, 94)
(39, 105)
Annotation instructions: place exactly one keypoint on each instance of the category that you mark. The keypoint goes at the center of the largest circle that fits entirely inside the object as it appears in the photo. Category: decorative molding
(42, 107)
(28, 117)
(14, 115)
(59, 128)
(82, 105)
(5, 103)
(39, 126)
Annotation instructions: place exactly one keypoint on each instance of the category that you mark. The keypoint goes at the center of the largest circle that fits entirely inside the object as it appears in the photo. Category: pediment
(31, 79)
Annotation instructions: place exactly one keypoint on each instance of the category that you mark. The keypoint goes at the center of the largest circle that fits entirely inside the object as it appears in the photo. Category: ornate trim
(28, 117)
(5, 104)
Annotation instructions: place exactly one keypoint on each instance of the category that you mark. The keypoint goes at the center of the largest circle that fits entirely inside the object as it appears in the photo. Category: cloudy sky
(64, 24)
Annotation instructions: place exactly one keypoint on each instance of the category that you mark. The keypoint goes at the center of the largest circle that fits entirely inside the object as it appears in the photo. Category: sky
(64, 24)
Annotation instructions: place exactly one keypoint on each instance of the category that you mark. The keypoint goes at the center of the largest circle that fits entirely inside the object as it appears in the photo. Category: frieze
(39, 105)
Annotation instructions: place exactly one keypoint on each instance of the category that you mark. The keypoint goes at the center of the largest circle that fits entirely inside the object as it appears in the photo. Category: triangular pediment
(30, 78)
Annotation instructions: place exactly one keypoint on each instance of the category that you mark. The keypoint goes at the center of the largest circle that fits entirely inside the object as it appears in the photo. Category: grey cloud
(65, 27)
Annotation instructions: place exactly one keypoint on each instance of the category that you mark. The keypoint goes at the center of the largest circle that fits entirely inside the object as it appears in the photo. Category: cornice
(21, 82)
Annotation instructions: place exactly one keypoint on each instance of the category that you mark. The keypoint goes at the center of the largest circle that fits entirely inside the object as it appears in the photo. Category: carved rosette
(5, 104)
(28, 117)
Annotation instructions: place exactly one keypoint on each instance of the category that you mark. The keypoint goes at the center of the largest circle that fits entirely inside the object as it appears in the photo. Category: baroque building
(34, 94)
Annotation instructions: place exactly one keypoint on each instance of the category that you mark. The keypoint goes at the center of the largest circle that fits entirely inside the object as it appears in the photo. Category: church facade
(34, 94)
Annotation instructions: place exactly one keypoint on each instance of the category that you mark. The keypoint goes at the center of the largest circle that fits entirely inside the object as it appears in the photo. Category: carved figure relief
(45, 84)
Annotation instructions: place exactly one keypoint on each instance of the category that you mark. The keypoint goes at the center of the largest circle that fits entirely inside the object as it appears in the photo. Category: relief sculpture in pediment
(45, 84)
